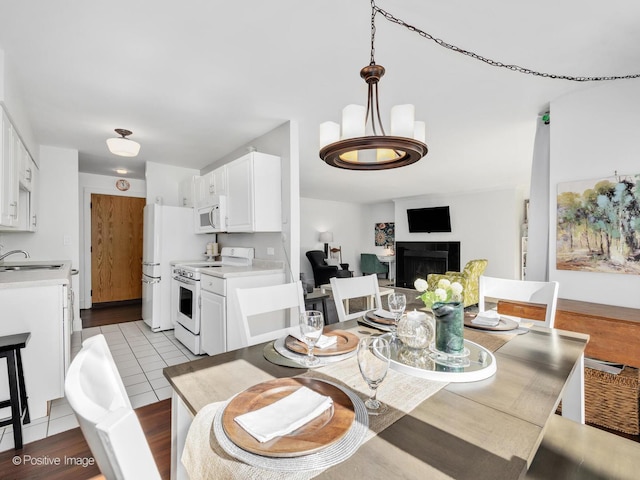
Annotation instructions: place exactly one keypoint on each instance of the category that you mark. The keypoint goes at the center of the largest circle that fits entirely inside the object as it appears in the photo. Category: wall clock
(122, 184)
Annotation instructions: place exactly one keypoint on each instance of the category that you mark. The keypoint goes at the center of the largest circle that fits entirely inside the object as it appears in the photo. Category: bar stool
(10, 346)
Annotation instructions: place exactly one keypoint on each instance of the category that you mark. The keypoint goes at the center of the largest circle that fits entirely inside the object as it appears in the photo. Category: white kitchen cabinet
(9, 191)
(254, 198)
(44, 312)
(28, 202)
(213, 331)
(185, 192)
(220, 180)
(25, 163)
(18, 182)
(207, 187)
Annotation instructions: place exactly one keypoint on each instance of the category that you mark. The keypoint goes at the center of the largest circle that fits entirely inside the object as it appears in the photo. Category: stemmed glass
(311, 326)
(373, 360)
(397, 304)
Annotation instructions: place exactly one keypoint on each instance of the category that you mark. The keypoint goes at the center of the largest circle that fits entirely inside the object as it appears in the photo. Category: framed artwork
(385, 234)
(599, 225)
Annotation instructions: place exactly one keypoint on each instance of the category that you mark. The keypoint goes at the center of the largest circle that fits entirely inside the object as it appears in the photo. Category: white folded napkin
(285, 415)
(490, 318)
(384, 314)
(323, 342)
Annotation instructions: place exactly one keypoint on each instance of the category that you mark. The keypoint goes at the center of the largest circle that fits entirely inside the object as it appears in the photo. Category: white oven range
(187, 294)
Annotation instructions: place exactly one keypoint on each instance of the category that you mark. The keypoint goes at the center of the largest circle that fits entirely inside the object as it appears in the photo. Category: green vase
(449, 326)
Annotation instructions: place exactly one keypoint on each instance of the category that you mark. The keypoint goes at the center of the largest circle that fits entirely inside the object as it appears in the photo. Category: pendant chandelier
(351, 147)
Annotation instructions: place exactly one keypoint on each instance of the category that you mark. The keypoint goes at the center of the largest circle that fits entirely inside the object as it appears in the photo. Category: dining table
(490, 428)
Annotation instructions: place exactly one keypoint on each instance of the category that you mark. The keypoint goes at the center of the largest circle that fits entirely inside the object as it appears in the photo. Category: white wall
(486, 223)
(104, 185)
(282, 141)
(11, 97)
(163, 182)
(594, 133)
(57, 237)
(347, 221)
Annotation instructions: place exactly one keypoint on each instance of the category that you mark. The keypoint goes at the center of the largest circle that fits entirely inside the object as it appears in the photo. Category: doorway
(116, 248)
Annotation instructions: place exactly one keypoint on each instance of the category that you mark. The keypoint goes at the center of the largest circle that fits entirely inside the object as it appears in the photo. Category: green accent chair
(469, 278)
(369, 264)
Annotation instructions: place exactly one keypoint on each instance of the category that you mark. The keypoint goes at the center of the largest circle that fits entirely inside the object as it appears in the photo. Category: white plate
(280, 347)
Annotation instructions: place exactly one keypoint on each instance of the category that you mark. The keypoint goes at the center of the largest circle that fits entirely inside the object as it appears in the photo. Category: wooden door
(116, 248)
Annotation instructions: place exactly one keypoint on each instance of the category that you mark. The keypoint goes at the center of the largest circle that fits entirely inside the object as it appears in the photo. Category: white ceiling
(196, 79)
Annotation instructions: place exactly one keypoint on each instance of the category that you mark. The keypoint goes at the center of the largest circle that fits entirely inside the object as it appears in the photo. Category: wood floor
(67, 447)
(113, 312)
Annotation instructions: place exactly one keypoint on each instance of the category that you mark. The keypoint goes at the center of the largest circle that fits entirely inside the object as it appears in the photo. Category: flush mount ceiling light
(122, 145)
(353, 149)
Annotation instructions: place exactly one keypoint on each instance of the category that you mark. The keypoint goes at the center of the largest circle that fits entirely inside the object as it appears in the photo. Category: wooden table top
(486, 429)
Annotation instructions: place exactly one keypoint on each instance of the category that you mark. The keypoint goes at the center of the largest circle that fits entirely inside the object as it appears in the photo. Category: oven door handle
(184, 280)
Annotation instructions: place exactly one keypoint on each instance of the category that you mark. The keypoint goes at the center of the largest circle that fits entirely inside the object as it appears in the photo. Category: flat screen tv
(432, 219)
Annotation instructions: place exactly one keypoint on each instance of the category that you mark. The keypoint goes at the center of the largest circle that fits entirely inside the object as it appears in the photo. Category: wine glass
(311, 326)
(373, 361)
(397, 304)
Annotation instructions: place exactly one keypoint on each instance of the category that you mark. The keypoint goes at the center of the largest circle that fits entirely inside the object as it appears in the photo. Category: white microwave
(212, 218)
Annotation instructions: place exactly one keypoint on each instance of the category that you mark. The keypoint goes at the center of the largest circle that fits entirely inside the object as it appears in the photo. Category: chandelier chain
(493, 63)
(373, 32)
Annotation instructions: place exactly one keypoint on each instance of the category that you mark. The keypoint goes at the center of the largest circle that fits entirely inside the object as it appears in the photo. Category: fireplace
(419, 259)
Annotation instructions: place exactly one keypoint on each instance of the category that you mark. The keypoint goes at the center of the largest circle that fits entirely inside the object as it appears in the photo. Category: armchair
(469, 279)
(321, 271)
(369, 264)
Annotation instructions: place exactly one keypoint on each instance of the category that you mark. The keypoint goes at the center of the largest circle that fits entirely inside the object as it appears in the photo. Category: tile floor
(140, 356)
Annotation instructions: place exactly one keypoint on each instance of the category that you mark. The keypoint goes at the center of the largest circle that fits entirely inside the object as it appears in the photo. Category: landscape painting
(599, 225)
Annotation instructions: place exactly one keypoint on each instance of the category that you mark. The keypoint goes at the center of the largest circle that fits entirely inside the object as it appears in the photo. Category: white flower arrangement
(446, 291)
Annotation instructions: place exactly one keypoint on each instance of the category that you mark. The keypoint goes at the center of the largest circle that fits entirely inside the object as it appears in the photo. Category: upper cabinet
(207, 187)
(9, 182)
(254, 198)
(185, 191)
(18, 182)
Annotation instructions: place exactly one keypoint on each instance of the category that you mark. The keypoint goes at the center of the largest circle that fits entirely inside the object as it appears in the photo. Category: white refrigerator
(168, 235)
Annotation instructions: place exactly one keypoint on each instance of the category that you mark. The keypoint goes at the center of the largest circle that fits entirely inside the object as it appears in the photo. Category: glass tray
(419, 362)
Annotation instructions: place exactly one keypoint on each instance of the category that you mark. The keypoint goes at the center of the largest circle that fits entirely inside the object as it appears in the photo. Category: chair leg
(24, 404)
(15, 400)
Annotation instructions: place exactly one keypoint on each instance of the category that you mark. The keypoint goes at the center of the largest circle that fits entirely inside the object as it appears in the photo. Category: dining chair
(97, 396)
(345, 289)
(540, 293)
(268, 306)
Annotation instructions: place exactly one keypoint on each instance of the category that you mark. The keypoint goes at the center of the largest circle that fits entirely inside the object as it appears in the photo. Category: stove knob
(190, 274)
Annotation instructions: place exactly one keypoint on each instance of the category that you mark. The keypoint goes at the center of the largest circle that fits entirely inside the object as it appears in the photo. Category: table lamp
(326, 237)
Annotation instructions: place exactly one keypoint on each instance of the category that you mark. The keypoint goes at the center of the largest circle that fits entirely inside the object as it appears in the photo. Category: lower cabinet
(44, 312)
(220, 325)
(213, 330)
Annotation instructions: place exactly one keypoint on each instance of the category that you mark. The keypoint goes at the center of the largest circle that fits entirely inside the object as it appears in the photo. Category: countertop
(35, 278)
(259, 267)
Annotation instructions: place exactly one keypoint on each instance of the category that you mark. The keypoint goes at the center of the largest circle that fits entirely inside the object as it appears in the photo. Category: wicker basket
(611, 401)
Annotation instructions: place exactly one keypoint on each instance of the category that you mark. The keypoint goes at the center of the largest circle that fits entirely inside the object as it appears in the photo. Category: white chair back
(545, 293)
(99, 400)
(354, 287)
(282, 298)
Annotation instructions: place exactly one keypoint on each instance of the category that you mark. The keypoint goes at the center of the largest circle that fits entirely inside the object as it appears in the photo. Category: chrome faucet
(5, 255)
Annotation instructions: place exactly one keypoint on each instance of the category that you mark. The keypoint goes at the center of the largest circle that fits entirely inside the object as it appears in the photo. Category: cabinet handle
(28, 176)
(35, 220)
(15, 207)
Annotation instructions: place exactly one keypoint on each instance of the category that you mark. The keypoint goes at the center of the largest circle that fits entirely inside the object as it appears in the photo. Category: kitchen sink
(30, 267)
